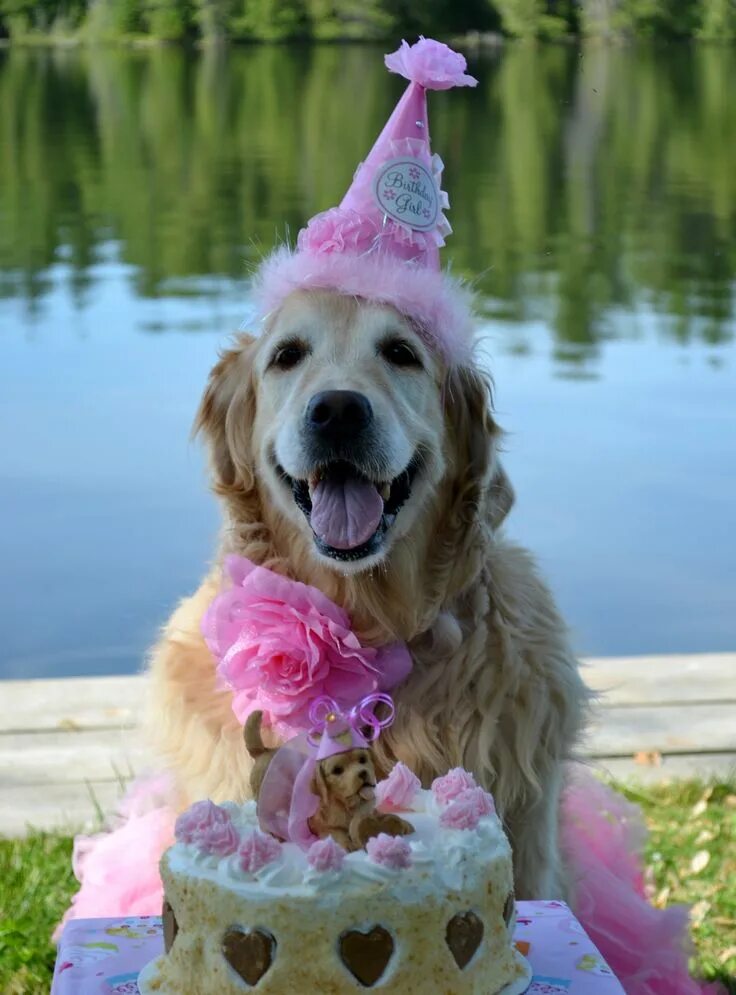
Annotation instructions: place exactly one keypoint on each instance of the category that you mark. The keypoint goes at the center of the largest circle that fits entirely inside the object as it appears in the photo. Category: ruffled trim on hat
(439, 305)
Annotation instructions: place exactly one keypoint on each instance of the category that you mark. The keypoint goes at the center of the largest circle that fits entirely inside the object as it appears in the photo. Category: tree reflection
(581, 181)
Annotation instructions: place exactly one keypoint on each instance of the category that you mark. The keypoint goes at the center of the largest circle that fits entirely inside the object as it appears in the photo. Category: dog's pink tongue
(345, 514)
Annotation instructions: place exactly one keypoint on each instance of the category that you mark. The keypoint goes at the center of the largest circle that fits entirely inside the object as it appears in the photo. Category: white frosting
(441, 859)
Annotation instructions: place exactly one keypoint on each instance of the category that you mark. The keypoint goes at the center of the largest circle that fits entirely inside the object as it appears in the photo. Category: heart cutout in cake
(366, 955)
(171, 926)
(508, 908)
(464, 933)
(249, 953)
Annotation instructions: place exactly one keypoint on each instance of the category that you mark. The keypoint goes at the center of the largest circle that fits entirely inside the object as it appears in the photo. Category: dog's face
(347, 779)
(341, 423)
(349, 424)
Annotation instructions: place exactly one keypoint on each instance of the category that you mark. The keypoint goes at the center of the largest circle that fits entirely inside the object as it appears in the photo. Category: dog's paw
(394, 825)
(375, 823)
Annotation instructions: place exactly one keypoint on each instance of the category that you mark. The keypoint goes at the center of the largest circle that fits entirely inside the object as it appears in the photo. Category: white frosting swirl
(441, 859)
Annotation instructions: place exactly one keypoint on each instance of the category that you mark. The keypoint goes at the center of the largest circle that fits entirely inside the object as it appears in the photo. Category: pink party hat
(343, 731)
(339, 737)
(382, 243)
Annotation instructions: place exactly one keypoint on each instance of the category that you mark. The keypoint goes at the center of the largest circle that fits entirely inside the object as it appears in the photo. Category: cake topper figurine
(323, 784)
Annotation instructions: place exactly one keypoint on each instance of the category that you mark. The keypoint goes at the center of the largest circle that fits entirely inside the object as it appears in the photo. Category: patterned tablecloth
(104, 956)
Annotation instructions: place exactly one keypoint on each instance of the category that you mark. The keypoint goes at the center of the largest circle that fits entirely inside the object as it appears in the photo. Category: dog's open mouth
(349, 513)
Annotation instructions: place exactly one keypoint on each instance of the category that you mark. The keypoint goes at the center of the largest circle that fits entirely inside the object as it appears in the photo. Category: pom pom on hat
(431, 64)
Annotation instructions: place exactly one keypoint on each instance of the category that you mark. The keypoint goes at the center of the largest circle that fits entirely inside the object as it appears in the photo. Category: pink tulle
(439, 305)
(602, 839)
(431, 64)
(118, 870)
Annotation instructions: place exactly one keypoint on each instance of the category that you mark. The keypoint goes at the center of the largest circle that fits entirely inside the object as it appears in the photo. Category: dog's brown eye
(399, 353)
(337, 770)
(288, 355)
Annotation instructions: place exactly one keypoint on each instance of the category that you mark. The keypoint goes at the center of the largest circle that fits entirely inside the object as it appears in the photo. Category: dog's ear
(319, 784)
(481, 484)
(225, 418)
(500, 495)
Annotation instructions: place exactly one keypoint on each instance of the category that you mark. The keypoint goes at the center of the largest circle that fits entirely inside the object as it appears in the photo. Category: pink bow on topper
(286, 801)
(335, 732)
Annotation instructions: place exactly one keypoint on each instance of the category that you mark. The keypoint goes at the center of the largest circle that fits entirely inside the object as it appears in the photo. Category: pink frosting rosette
(389, 851)
(280, 644)
(397, 792)
(452, 784)
(257, 850)
(326, 855)
(208, 827)
(466, 811)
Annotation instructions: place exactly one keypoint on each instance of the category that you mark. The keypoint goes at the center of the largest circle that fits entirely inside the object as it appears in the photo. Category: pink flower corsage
(279, 644)
(452, 784)
(398, 790)
(256, 850)
(389, 851)
(326, 855)
(208, 827)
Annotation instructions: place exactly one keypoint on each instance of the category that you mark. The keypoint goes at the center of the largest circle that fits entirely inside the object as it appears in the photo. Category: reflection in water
(579, 180)
(594, 205)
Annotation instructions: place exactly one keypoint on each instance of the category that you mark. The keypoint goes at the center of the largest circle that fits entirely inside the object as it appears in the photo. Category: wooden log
(66, 807)
(65, 757)
(663, 680)
(649, 769)
(624, 730)
(71, 703)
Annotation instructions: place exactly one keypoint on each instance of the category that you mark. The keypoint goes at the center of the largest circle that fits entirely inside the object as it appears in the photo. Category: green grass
(36, 882)
(687, 821)
(691, 858)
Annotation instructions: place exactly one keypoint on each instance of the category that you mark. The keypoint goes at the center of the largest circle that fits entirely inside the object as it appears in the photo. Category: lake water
(594, 201)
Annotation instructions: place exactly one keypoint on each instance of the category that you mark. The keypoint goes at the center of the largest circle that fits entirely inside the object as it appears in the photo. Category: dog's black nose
(364, 775)
(339, 415)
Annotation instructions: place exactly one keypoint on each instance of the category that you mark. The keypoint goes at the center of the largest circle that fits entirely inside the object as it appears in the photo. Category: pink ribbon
(360, 717)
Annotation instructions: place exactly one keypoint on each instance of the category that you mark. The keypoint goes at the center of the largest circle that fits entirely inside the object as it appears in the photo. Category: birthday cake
(431, 911)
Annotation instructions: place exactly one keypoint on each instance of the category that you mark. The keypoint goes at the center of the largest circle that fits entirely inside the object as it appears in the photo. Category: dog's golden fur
(494, 686)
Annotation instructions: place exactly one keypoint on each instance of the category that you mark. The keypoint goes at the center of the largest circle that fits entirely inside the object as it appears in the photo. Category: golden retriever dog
(342, 395)
(345, 785)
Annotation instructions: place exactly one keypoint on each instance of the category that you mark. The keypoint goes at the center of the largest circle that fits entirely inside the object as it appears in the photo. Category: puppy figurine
(345, 784)
(342, 775)
(260, 754)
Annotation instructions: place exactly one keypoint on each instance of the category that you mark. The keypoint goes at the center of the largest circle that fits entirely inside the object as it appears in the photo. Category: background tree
(270, 20)
(718, 22)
